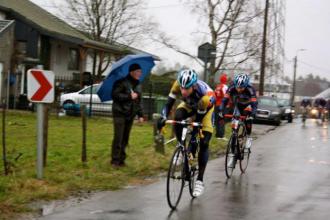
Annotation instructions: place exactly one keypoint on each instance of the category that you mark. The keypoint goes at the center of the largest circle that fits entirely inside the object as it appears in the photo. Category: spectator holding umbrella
(126, 105)
(122, 85)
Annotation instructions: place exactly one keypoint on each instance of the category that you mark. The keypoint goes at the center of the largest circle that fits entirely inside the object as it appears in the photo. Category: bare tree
(231, 29)
(109, 21)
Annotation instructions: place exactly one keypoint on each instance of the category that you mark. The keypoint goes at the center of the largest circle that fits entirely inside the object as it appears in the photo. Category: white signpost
(40, 91)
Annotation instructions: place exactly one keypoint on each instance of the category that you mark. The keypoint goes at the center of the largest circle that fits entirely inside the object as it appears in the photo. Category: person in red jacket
(220, 92)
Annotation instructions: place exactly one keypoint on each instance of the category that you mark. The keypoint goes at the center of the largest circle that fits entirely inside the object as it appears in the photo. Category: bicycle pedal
(187, 177)
(192, 160)
(194, 166)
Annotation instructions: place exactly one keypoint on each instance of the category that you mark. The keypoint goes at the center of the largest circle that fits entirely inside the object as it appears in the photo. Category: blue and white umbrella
(120, 70)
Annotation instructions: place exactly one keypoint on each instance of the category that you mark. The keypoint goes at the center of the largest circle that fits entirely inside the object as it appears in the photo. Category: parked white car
(83, 97)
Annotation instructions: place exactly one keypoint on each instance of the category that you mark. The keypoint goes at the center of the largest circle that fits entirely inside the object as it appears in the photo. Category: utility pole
(294, 75)
(263, 53)
(294, 80)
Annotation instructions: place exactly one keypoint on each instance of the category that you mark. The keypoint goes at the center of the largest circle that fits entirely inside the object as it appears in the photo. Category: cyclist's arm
(253, 100)
(204, 105)
(168, 106)
(175, 90)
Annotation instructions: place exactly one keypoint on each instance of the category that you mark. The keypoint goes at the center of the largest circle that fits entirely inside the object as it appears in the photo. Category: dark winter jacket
(123, 105)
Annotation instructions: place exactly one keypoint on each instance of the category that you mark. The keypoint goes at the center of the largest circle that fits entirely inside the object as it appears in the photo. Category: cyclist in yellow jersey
(197, 100)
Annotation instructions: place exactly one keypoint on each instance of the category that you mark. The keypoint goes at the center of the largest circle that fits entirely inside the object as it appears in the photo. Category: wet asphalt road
(288, 178)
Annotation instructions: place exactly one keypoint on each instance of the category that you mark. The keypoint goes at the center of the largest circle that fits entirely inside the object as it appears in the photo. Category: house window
(2, 16)
(73, 59)
(21, 47)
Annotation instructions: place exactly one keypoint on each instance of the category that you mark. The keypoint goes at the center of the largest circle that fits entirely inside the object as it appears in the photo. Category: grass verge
(65, 174)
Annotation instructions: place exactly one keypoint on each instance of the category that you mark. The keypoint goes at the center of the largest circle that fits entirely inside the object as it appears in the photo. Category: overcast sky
(307, 27)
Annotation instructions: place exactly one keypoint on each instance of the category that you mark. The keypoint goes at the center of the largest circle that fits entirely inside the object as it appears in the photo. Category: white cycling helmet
(187, 78)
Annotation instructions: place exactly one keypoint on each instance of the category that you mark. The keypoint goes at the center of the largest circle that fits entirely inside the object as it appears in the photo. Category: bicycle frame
(236, 123)
(236, 148)
(185, 124)
(188, 172)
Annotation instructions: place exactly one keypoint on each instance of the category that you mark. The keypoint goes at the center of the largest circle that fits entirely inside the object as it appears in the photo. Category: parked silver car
(83, 96)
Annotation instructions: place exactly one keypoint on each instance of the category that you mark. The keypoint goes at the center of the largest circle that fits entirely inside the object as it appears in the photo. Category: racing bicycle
(183, 169)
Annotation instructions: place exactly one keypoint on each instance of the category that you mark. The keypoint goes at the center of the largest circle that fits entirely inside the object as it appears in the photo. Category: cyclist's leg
(238, 110)
(193, 144)
(182, 112)
(248, 125)
(246, 111)
(203, 155)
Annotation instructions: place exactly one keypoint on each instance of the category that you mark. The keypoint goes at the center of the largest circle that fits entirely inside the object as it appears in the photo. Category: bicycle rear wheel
(229, 155)
(175, 178)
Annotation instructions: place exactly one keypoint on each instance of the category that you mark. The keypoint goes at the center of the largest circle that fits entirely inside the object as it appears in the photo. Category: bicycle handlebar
(194, 124)
(232, 116)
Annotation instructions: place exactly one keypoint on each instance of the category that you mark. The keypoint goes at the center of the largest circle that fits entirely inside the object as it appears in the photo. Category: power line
(47, 6)
(146, 8)
(311, 65)
(166, 6)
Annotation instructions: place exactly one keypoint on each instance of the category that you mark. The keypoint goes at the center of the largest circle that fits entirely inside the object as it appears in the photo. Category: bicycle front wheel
(243, 163)
(193, 179)
(175, 178)
(230, 155)
(244, 152)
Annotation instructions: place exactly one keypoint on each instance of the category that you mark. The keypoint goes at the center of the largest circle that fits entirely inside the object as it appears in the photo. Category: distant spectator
(220, 92)
(320, 103)
(328, 105)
